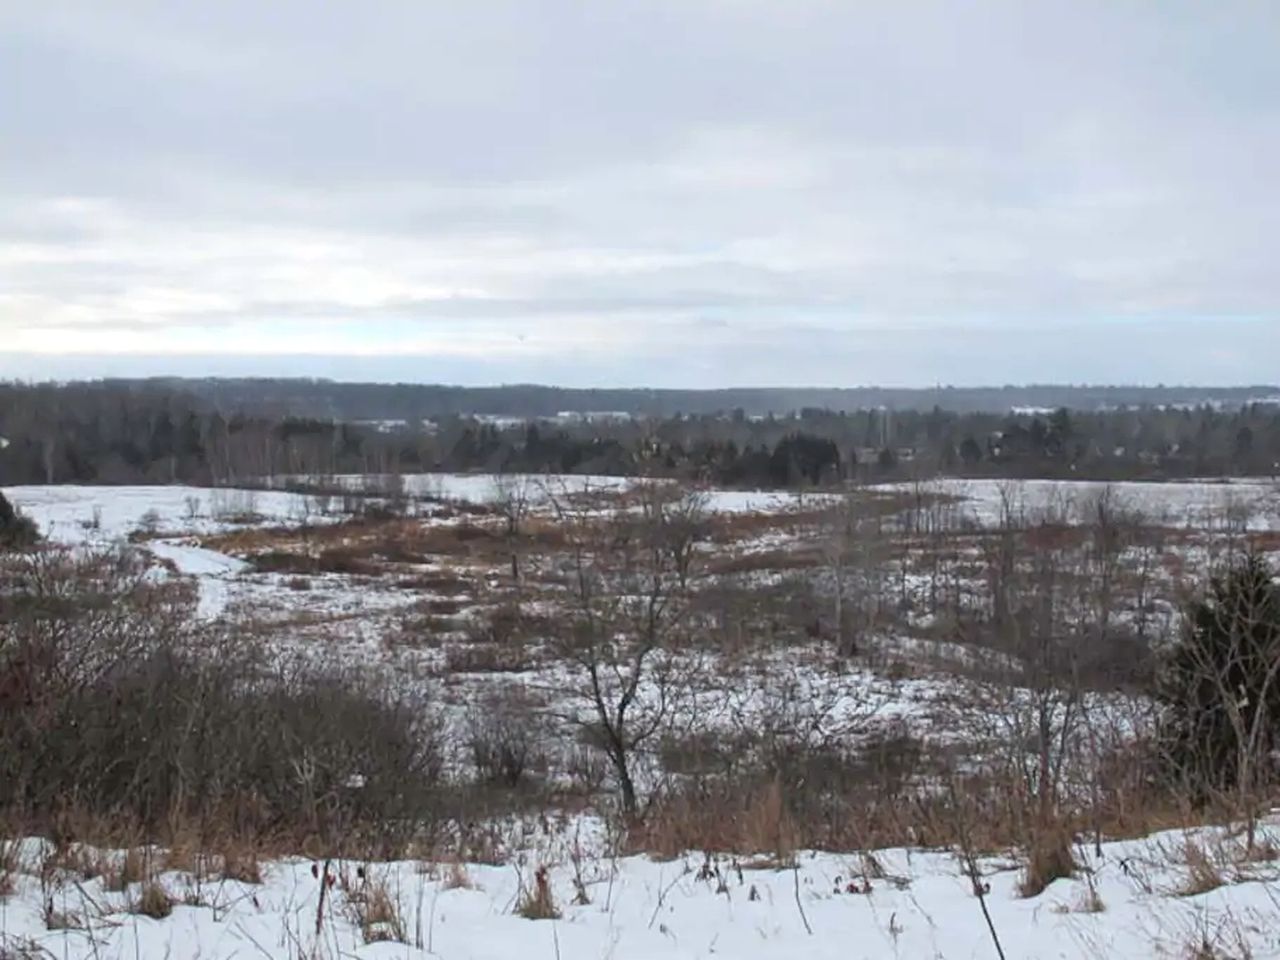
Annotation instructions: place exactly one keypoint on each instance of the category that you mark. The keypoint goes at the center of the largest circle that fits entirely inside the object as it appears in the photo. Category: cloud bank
(684, 193)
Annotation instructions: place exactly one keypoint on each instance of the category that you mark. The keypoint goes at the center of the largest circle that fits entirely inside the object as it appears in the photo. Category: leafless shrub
(586, 769)
(627, 609)
(69, 620)
(856, 554)
(235, 507)
(508, 625)
(503, 736)
(512, 501)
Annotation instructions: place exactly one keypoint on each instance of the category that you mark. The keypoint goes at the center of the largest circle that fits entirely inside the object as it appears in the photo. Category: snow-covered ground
(485, 488)
(167, 517)
(474, 488)
(1135, 900)
(1195, 503)
(94, 514)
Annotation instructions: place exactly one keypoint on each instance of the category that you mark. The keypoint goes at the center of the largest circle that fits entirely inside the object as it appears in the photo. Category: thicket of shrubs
(16, 530)
(115, 705)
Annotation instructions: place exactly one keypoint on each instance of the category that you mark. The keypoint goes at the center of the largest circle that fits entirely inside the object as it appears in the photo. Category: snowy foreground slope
(897, 903)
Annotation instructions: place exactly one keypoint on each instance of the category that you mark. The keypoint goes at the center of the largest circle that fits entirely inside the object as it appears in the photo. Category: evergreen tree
(16, 531)
(1221, 688)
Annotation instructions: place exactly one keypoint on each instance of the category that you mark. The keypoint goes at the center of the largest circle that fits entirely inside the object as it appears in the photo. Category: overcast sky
(684, 193)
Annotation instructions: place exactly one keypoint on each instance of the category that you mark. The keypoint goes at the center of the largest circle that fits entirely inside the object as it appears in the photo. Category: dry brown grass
(378, 912)
(1203, 871)
(767, 826)
(127, 870)
(870, 807)
(450, 871)
(755, 824)
(240, 863)
(152, 901)
(1049, 858)
(774, 560)
(537, 902)
(184, 856)
(730, 528)
(1264, 850)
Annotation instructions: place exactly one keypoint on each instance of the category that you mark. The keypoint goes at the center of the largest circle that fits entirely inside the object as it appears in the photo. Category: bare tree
(627, 601)
(1036, 703)
(854, 551)
(512, 498)
(684, 525)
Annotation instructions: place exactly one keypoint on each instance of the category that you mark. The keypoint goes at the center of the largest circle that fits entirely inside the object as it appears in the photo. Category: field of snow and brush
(426, 589)
(1255, 503)
(815, 670)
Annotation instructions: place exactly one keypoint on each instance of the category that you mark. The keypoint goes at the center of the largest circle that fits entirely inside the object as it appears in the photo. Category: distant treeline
(149, 433)
(381, 401)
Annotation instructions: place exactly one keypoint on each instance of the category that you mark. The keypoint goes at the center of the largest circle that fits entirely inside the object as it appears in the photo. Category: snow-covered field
(90, 514)
(474, 488)
(1135, 900)
(169, 517)
(75, 514)
(1195, 503)
(483, 488)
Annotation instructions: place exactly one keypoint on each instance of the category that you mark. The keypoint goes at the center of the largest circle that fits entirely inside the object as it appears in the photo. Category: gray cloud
(656, 189)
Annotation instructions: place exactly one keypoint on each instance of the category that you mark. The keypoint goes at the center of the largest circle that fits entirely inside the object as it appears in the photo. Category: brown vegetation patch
(1048, 859)
(801, 557)
(152, 902)
(445, 581)
(489, 658)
